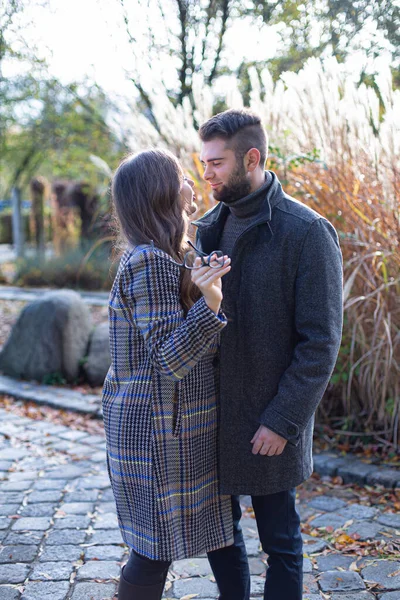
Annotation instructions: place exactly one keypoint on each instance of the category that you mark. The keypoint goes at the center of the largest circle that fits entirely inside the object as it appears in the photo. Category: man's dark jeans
(279, 531)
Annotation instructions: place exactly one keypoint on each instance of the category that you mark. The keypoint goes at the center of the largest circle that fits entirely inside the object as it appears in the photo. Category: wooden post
(38, 188)
(17, 224)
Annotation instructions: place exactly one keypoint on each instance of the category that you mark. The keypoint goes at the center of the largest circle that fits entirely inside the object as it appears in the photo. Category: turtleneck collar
(250, 204)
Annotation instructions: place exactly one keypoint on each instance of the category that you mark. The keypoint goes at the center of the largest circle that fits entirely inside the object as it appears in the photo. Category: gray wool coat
(283, 301)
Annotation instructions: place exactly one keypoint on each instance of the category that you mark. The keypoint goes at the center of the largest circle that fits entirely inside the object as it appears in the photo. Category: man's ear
(252, 159)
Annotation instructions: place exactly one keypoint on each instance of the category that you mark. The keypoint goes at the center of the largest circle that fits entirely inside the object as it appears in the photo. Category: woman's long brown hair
(148, 206)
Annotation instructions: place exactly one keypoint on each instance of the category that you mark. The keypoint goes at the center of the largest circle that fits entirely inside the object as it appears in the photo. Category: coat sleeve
(318, 327)
(175, 342)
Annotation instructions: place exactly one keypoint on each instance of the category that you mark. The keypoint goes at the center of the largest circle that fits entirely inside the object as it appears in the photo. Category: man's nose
(208, 174)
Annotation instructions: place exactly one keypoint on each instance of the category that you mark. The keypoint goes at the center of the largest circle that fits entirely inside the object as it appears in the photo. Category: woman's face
(188, 196)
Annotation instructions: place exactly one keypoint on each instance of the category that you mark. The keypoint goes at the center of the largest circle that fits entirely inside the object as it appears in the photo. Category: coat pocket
(177, 411)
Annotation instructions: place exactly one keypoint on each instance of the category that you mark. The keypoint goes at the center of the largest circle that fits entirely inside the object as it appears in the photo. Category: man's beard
(238, 187)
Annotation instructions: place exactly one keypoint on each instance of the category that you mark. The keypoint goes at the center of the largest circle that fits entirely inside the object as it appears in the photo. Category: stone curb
(351, 469)
(49, 395)
(29, 294)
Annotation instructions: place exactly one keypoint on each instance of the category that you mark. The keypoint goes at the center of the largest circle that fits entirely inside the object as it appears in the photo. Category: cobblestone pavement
(59, 537)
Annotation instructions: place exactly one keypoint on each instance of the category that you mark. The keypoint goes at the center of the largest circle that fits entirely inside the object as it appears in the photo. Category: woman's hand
(208, 280)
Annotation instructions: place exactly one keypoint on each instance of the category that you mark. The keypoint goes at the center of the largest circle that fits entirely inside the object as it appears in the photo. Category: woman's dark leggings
(140, 570)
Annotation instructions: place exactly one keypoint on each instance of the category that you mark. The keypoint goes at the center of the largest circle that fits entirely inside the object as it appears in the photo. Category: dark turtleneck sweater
(241, 213)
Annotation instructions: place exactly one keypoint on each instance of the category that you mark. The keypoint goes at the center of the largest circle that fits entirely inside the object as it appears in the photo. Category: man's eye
(216, 164)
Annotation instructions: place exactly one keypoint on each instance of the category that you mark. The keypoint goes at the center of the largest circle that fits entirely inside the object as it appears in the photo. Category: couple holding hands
(221, 351)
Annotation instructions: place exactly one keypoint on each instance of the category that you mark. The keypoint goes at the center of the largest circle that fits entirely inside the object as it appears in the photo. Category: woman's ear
(252, 159)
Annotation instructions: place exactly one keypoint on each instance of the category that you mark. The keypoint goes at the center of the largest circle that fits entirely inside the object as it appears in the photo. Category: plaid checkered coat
(160, 413)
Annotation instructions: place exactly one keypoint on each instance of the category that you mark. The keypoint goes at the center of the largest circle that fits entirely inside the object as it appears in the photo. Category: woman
(159, 400)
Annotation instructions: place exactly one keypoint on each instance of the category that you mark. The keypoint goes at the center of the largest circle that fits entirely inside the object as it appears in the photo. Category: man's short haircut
(242, 129)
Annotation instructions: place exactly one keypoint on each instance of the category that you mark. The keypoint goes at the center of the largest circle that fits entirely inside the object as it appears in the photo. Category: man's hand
(267, 443)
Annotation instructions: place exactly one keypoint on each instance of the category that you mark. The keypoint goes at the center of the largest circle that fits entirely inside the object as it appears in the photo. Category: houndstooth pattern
(160, 413)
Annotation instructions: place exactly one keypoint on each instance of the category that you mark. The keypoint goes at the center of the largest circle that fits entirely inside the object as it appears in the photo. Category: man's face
(227, 176)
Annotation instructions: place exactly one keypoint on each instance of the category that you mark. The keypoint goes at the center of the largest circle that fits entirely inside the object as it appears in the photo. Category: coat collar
(217, 216)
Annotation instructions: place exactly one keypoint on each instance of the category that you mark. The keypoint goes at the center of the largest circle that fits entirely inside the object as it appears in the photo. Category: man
(283, 300)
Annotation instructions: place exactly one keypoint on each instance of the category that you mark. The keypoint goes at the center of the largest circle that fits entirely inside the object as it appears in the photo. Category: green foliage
(54, 379)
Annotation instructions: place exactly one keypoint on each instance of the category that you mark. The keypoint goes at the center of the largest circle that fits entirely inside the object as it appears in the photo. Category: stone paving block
(46, 590)
(26, 476)
(390, 520)
(327, 503)
(192, 567)
(341, 581)
(66, 536)
(359, 512)
(105, 536)
(45, 496)
(18, 554)
(390, 596)
(330, 562)
(52, 571)
(81, 496)
(99, 569)
(49, 484)
(106, 553)
(14, 453)
(5, 464)
(15, 573)
(383, 572)
(4, 522)
(306, 511)
(310, 585)
(11, 497)
(8, 509)
(73, 522)
(327, 464)
(252, 546)
(26, 538)
(107, 495)
(307, 565)
(73, 435)
(106, 507)
(38, 510)
(385, 477)
(60, 553)
(93, 482)
(366, 530)
(95, 439)
(356, 472)
(312, 545)
(98, 457)
(93, 591)
(31, 524)
(106, 521)
(77, 508)
(8, 592)
(65, 472)
(355, 596)
(202, 586)
(329, 520)
(15, 486)
(257, 585)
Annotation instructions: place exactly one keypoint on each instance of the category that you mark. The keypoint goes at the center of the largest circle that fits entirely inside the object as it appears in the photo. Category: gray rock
(31, 524)
(66, 536)
(38, 510)
(386, 477)
(327, 503)
(192, 567)
(390, 520)
(18, 554)
(8, 593)
(13, 573)
(73, 522)
(99, 569)
(356, 472)
(313, 545)
(58, 347)
(93, 591)
(99, 358)
(341, 581)
(203, 587)
(330, 562)
(381, 572)
(106, 521)
(366, 530)
(46, 590)
(60, 553)
(329, 520)
(358, 512)
(106, 553)
(52, 571)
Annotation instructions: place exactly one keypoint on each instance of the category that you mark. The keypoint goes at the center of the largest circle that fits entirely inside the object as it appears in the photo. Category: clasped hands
(267, 443)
